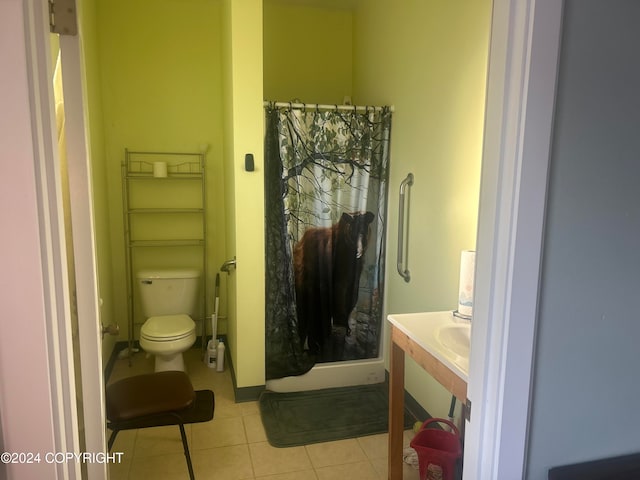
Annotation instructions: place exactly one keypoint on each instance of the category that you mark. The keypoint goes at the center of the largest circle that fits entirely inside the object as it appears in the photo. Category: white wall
(587, 354)
(26, 417)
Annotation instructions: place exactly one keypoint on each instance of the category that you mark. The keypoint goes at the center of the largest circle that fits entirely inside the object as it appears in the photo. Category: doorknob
(111, 329)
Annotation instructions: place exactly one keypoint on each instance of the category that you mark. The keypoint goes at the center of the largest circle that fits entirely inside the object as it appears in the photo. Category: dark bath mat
(302, 418)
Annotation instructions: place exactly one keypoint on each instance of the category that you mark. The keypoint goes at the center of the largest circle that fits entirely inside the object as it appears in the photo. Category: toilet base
(168, 353)
(173, 362)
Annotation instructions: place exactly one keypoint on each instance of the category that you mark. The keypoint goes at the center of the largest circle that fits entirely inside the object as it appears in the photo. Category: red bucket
(437, 450)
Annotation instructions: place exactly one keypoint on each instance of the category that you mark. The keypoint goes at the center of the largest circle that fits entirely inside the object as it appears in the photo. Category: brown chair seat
(154, 400)
(150, 394)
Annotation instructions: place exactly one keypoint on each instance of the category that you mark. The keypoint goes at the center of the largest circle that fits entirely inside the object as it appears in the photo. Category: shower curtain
(326, 174)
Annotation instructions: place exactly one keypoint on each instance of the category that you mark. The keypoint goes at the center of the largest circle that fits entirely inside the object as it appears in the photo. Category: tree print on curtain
(326, 175)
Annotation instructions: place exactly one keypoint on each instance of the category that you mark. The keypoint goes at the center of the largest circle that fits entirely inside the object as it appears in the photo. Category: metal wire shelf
(143, 165)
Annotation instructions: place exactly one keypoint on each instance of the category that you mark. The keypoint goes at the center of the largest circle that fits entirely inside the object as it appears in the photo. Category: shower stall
(326, 182)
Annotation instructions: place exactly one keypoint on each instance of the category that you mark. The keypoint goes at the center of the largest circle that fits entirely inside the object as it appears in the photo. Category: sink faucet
(228, 265)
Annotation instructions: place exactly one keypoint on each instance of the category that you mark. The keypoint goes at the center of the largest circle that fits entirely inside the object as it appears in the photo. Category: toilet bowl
(167, 337)
(168, 300)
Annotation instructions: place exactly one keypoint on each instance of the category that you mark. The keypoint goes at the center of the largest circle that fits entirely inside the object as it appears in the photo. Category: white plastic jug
(220, 357)
(212, 353)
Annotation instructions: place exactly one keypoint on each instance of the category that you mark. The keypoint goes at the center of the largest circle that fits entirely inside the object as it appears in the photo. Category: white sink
(455, 337)
(442, 334)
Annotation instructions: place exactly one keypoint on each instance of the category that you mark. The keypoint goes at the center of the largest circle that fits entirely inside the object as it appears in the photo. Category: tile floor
(234, 446)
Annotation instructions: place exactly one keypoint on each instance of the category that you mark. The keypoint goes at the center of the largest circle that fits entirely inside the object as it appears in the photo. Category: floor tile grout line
(251, 459)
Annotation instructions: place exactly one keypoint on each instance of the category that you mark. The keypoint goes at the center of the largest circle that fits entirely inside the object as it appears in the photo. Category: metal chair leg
(186, 451)
(112, 438)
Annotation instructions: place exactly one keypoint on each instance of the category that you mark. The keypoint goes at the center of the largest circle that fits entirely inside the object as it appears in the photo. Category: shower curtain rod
(313, 106)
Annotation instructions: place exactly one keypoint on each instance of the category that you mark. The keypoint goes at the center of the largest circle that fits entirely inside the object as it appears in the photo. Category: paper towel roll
(465, 295)
(160, 169)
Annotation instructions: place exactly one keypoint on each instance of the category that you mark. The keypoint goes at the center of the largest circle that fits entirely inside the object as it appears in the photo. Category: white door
(84, 253)
(39, 399)
(525, 41)
(91, 433)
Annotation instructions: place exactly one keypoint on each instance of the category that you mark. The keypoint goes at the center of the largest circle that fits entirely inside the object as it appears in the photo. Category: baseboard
(248, 394)
(117, 348)
(411, 404)
(414, 408)
(242, 394)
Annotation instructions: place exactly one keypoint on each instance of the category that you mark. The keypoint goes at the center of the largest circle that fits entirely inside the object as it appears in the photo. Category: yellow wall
(175, 75)
(244, 134)
(307, 53)
(161, 82)
(428, 59)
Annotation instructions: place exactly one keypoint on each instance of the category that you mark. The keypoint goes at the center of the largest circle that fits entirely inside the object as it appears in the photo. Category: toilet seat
(167, 328)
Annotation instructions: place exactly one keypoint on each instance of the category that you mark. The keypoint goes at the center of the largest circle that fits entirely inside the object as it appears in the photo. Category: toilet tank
(168, 292)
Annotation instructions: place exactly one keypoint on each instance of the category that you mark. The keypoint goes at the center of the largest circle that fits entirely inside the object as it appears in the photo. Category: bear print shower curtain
(326, 174)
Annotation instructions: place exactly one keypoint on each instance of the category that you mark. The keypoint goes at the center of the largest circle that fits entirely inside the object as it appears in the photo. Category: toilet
(168, 298)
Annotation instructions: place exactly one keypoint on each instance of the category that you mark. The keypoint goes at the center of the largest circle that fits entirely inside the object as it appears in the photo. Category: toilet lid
(167, 327)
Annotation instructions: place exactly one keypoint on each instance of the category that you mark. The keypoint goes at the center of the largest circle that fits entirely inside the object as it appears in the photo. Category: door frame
(84, 250)
(525, 40)
(63, 399)
(521, 88)
(37, 399)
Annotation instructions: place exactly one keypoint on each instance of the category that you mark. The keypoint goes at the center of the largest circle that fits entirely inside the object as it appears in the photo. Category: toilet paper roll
(467, 271)
(160, 169)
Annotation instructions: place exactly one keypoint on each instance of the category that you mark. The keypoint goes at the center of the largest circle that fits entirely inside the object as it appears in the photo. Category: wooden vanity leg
(396, 411)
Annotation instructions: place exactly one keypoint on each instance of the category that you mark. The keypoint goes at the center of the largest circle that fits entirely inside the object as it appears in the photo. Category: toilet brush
(214, 317)
(212, 346)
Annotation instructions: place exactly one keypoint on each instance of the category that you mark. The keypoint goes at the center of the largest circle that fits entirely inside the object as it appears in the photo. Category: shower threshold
(331, 375)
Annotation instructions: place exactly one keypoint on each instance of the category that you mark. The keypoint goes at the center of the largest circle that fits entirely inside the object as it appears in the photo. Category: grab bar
(403, 269)
(228, 265)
